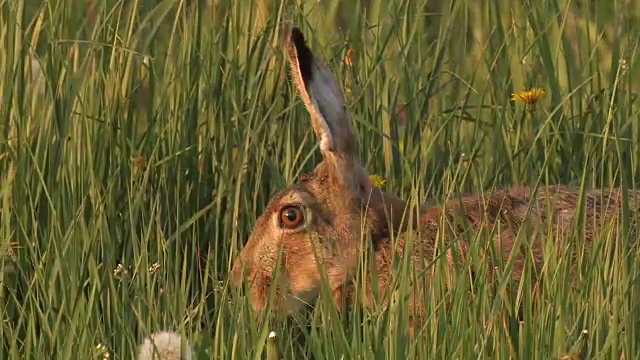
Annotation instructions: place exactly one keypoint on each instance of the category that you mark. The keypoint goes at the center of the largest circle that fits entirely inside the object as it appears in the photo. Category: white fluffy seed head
(165, 345)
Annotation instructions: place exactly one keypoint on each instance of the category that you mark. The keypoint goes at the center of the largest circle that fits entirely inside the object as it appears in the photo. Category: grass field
(134, 163)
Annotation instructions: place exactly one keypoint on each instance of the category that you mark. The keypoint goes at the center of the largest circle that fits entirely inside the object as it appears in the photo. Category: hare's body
(329, 216)
(550, 213)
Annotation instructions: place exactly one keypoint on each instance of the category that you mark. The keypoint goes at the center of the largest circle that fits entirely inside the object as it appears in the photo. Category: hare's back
(559, 204)
(563, 204)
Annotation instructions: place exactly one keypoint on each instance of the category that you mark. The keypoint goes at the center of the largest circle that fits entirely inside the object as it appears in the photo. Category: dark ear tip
(297, 38)
(300, 52)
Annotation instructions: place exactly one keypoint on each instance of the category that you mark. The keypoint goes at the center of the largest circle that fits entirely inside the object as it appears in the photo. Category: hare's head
(317, 223)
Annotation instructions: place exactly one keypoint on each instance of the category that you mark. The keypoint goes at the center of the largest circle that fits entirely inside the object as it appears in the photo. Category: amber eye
(291, 216)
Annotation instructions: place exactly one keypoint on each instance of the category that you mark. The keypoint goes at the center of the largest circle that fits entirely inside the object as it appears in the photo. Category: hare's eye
(291, 217)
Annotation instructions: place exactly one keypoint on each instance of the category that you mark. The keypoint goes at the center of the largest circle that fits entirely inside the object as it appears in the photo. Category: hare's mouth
(284, 300)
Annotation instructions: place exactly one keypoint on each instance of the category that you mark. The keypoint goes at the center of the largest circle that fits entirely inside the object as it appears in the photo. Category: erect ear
(321, 94)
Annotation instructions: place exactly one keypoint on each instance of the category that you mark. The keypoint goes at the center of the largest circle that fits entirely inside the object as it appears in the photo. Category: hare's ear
(321, 94)
(323, 98)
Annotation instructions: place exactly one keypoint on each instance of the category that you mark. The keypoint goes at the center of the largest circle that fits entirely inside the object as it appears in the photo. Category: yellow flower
(378, 181)
(529, 97)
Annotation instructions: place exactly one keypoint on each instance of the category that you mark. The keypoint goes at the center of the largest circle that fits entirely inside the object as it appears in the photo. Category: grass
(134, 167)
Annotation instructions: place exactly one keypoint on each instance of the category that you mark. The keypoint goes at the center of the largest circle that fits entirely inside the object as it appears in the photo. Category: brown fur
(341, 208)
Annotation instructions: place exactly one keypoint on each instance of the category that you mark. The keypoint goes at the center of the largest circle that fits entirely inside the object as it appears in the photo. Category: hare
(322, 219)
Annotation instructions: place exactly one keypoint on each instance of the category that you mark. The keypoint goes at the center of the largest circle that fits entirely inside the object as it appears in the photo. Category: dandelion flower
(529, 97)
(165, 345)
(378, 181)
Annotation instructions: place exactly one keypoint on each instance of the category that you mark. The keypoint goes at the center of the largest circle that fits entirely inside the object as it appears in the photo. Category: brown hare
(325, 216)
